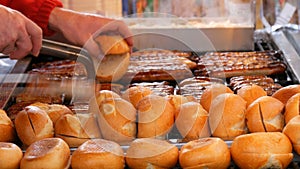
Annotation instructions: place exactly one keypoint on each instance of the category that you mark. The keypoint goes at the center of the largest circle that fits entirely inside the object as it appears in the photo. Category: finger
(23, 47)
(36, 36)
(8, 49)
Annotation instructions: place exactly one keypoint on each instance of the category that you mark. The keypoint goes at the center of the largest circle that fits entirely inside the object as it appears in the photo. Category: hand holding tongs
(66, 51)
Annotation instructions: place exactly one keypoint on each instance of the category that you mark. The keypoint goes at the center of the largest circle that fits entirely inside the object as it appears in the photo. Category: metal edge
(12, 79)
(290, 54)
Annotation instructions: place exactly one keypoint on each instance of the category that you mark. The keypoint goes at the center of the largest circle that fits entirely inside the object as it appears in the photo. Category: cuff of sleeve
(42, 19)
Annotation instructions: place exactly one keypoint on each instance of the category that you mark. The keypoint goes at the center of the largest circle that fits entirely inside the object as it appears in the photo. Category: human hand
(81, 29)
(19, 36)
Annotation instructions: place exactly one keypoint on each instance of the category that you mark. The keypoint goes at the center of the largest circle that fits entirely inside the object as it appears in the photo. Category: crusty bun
(10, 156)
(106, 94)
(227, 116)
(47, 153)
(112, 44)
(33, 124)
(116, 58)
(54, 111)
(286, 92)
(176, 101)
(74, 129)
(211, 152)
(117, 120)
(262, 150)
(265, 115)
(151, 153)
(251, 93)
(135, 94)
(7, 129)
(112, 67)
(212, 92)
(155, 116)
(99, 97)
(192, 121)
(98, 153)
(292, 108)
(291, 130)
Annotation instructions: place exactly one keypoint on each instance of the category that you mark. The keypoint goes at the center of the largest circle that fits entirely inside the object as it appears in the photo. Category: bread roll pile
(114, 121)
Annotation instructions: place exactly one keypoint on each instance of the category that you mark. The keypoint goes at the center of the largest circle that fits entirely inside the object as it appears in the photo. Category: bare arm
(80, 29)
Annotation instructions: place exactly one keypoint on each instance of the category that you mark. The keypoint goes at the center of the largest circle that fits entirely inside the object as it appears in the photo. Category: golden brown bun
(47, 153)
(10, 156)
(227, 116)
(117, 120)
(74, 129)
(262, 150)
(291, 130)
(211, 152)
(54, 111)
(251, 93)
(286, 92)
(112, 44)
(192, 121)
(151, 153)
(99, 97)
(98, 153)
(112, 67)
(212, 92)
(33, 124)
(265, 114)
(155, 116)
(176, 101)
(292, 108)
(106, 94)
(7, 129)
(135, 94)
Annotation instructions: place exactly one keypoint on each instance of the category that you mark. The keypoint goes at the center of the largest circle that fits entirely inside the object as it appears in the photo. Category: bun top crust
(101, 146)
(112, 44)
(4, 119)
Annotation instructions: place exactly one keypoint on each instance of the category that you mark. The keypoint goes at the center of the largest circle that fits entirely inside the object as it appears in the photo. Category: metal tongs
(71, 52)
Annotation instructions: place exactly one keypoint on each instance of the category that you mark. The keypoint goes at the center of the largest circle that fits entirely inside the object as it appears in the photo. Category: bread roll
(227, 116)
(135, 94)
(98, 153)
(286, 92)
(54, 111)
(10, 156)
(112, 67)
(47, 153)
(176, 101)
(112, 44)
(212, 92)
(251, 93)
(74, 129)
(192, 121)
(262, 150)
(33, 124)
(209, 152)
(151, 153)
(292, 108)
(291, 130)
(99, 97)
(117, 120)
(7, 129)
(116, 60)
(155, 116)
(106, 94)
(265, 115)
